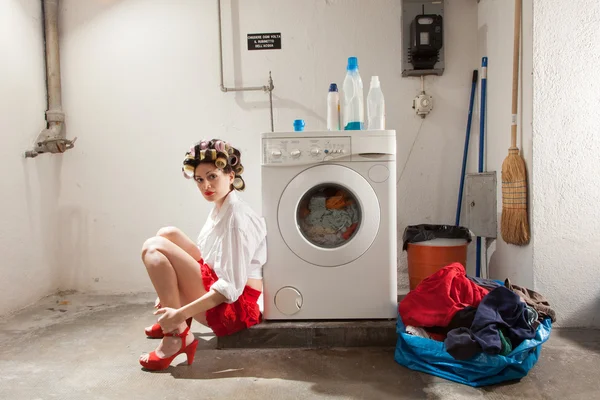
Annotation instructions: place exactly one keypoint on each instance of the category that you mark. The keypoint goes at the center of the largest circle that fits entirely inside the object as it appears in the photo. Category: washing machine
(329, 200)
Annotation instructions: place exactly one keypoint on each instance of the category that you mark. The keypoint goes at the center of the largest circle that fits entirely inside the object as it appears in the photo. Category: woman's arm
(209, 300)
(231, 270)
(171, 318)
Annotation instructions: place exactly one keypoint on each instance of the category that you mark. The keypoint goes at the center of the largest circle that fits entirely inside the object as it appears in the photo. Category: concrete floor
(74, 346)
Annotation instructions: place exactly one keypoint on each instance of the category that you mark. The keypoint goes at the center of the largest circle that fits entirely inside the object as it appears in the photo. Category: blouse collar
(231, 198)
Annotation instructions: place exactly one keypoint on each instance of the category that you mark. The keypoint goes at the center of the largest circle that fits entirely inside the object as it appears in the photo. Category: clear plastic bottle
(375, 106)
(354, 108)
(333, 108)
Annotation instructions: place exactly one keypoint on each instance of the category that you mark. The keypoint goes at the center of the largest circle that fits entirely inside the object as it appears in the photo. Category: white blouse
(233, 243)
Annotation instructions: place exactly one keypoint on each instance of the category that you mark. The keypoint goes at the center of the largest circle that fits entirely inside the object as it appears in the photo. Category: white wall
(559, 83)
(429, 175)
(495, 41)
(141, 84)
(30, 187)
(566, 163)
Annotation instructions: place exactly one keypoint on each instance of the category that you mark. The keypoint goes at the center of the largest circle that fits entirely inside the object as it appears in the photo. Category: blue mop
(484, 64)
(466, 150)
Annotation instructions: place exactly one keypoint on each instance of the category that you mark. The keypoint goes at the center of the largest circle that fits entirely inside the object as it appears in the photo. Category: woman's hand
(157, 303)
(170, 320)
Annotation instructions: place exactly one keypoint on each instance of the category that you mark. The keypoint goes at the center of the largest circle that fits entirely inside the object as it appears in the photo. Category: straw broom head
(515, 223)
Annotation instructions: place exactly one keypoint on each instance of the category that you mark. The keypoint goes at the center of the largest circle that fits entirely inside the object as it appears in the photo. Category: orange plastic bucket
(427, 258)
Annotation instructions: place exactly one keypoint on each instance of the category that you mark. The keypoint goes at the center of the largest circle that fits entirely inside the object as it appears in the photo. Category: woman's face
(213, 182)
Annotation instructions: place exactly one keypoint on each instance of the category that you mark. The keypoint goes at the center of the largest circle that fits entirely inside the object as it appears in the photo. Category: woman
(217, 281)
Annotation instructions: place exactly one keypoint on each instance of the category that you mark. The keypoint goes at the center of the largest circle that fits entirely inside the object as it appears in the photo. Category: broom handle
(515, 87)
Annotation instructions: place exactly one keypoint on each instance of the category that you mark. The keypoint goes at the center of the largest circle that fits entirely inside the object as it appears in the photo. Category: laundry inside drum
(328, 215)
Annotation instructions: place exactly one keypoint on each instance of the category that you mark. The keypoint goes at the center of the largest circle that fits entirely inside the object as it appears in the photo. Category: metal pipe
(268, 88)
(271, 100)
(223, 87)
(52, 139)
(52, 55)
(244, 89)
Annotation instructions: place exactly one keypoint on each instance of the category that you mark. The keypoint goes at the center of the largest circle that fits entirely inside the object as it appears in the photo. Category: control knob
(295, 153)
(276, 153)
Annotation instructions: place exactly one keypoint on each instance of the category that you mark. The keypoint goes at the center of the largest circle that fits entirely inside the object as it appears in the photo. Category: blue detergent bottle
(354, 108)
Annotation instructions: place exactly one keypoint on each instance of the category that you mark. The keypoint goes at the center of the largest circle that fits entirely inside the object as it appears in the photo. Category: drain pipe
(53, 138)
(267, 88)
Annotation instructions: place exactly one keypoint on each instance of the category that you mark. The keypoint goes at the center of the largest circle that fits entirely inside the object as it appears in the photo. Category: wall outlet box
(422, 37)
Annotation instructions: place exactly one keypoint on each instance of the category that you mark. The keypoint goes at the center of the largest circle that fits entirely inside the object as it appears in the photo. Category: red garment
(438, 297)
(226, 319)
(349, 231)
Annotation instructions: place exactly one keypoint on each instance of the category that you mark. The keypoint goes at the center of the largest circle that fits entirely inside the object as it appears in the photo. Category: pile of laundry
(329, 217)
(473, 315)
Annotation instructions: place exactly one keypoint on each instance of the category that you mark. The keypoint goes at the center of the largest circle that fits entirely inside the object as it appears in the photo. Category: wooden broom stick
(515, 222)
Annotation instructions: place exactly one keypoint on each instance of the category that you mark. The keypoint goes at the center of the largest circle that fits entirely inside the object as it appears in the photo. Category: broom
(515, 224)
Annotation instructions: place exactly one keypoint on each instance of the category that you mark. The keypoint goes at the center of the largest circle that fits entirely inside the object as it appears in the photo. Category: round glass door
(328, 215)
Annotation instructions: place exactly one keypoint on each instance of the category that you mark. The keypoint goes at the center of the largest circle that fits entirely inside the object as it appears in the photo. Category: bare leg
(174, 273)
(179, 238)
(162, 275)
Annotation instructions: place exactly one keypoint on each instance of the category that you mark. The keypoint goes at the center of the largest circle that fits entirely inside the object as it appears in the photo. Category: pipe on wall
(267, 88)
(52, 139)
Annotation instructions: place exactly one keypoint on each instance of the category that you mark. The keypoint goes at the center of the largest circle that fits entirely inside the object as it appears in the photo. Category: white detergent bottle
(375, 106)
(333, 108)
(354, 108)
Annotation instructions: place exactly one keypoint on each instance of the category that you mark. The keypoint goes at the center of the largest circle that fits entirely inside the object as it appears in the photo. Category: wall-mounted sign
(264, 41)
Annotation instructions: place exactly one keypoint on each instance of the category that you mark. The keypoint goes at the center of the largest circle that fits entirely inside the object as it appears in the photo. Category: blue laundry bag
(430, 356)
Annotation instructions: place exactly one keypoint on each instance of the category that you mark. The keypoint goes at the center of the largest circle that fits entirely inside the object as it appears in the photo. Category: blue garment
(430, 356)
(499, 309)
(485, 283)
(462, 319)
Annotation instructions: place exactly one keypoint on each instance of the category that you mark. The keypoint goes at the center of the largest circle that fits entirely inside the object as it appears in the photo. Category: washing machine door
(328, 215)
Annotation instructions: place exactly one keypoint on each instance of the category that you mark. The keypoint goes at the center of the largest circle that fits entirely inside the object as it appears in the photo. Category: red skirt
(226, 319)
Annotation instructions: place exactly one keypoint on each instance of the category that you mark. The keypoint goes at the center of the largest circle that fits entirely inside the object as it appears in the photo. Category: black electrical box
(423, 37)
(426, 41)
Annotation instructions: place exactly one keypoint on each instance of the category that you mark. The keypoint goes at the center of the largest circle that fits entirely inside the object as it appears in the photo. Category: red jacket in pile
(438, 297)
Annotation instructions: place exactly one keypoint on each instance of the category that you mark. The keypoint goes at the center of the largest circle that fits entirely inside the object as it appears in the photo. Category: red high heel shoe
(155, 332)
(155, 363)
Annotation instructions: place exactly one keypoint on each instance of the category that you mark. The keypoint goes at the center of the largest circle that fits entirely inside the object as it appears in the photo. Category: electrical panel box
(482, 204)
(422, 37)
